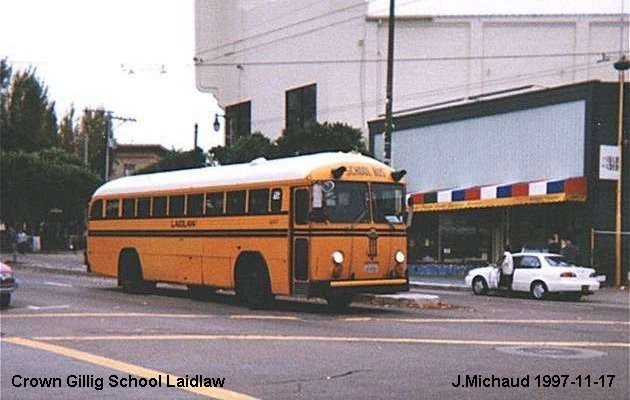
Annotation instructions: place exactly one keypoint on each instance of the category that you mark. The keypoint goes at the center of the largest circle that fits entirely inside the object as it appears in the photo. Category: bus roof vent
(258, 161)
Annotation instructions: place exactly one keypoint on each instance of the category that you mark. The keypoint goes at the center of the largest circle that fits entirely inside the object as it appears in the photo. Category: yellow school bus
(326, 225)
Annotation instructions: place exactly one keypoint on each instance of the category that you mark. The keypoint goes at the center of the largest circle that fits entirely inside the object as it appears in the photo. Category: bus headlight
(337, 257)
(399, 257)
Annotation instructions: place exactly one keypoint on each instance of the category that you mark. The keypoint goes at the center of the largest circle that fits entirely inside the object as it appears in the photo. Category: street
(68, 326)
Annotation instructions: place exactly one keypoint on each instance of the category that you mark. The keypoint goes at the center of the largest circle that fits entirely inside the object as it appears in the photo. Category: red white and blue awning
(505, 195)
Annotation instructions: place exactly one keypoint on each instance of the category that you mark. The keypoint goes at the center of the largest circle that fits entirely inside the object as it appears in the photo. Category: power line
(402, 59)
(281, 28)
(298, 34)
(454, 89)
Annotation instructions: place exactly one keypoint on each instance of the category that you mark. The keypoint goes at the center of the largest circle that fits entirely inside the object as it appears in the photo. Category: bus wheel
(253, 287)
(130, 274)
(339, 301)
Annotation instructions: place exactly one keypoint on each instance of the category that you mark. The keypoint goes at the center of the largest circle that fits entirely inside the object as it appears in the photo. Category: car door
(526, 268)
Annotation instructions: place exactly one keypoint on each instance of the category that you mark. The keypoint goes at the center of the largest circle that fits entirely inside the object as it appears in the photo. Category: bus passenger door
(300, 238)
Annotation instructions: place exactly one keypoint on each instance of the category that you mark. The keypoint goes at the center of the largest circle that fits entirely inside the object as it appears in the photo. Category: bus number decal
(183, 223)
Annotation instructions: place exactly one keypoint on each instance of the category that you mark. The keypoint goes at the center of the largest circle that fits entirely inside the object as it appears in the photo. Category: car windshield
(388, 202)
(558, 261)
(346, 202)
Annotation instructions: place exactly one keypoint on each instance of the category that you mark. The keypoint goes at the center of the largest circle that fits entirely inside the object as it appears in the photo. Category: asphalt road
(64, 326)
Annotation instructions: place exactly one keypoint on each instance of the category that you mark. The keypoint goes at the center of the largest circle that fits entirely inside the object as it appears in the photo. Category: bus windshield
(388, 202)
(346, 202)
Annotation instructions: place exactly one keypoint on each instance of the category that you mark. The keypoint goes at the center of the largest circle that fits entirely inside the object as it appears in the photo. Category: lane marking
(102, 315)
(337, 339)
(216, 393)
(272, 317)
(488, 321)
(57, 284)
(293, 318)
(30, 307)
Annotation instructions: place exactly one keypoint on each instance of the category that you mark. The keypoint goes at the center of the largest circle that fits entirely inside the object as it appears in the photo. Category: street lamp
(622, 65)
(217, 124)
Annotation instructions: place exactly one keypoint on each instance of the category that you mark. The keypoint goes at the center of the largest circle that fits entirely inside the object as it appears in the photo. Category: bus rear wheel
(339, 301)
(130, 275)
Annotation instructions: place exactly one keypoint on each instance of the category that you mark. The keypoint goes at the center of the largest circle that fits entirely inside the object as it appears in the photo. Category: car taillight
(567, 275)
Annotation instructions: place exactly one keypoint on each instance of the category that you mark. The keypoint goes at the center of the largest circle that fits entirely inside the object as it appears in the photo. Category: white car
(539, 274)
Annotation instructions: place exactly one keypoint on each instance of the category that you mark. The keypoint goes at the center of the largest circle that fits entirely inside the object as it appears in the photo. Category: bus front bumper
(379, 286)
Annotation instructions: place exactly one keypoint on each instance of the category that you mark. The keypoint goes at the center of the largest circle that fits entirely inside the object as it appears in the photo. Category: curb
(435, 285)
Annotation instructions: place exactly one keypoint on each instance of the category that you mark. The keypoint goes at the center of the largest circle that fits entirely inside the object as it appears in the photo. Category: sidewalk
(438, 282)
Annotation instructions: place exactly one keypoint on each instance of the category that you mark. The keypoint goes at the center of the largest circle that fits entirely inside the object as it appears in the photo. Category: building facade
(274, 64)
(515, 170)
(129, 158)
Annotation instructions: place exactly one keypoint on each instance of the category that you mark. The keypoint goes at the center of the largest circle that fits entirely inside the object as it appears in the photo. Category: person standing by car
(12, 238)
(554, 244)
(570, 251)
(507, 269)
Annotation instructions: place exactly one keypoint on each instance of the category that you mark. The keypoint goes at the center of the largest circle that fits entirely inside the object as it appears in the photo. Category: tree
(175, 160)
(31, 119)
(34, 184)
(68, 134)
(5, 81)
(245, 149)
(316, 138)
(94, 127)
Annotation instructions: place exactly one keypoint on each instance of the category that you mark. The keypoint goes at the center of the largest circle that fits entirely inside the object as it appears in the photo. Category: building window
(301, 107)
(238, 122)
(129, 169)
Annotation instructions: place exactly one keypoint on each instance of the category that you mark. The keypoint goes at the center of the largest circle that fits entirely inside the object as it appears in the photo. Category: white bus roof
(257, 171)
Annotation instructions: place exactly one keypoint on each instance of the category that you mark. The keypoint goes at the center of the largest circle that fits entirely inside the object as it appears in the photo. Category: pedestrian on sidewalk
(12, 238)
(507, 269)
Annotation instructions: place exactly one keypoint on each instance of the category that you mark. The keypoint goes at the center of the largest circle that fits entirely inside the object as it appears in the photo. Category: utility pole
(196, 130)
(622, 65)
(389, 126)
(110, 137)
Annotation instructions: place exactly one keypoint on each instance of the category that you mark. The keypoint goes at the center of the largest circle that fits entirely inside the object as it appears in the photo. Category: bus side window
(300, 207)
(129, 208)
(144, 207)
(258, 201)
(176, 206)
(214, 203)
(159, 206)
(276, 200)
(96, 212)
(111, 208)
(194, 206)
(236, 202)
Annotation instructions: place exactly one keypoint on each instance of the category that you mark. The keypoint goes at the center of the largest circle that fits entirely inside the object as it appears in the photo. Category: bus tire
(253, 287)
(130, 274)
(339, 301)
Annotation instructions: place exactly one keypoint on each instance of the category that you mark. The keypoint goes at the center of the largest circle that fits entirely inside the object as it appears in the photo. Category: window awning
(512, 194)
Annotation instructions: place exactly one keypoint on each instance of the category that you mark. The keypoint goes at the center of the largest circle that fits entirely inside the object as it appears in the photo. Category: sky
(131, 57)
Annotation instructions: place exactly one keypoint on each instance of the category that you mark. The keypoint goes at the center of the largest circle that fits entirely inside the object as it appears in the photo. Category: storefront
(513, 171)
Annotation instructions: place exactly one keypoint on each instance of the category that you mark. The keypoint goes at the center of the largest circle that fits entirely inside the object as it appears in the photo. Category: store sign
(609, 162)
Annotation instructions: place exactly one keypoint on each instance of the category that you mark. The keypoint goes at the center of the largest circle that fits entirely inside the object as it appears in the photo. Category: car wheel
(5, 300)
(479, 286)
(538, 290)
